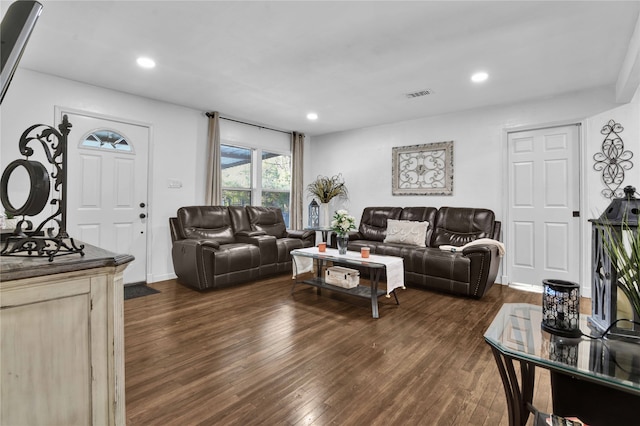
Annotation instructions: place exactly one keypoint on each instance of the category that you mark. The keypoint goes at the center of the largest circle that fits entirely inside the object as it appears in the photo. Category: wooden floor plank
(257, 354)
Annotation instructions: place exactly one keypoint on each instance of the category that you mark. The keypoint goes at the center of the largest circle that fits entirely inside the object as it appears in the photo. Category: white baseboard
(526, 287)
(161, 277)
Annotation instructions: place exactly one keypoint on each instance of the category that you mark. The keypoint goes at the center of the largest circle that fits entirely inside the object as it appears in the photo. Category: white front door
(543, 238)
(107, 187)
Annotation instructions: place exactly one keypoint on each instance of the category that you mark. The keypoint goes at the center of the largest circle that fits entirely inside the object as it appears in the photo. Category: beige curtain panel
(296, 212)
(213, 195)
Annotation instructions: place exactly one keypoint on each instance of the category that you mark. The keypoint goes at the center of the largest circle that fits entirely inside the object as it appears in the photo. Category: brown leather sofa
(219, 246)
(470, 272)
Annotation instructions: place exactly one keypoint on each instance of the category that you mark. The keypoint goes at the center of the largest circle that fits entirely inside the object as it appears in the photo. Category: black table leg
(518, 399)
(396, 296)
(319, 266)
(375, 279)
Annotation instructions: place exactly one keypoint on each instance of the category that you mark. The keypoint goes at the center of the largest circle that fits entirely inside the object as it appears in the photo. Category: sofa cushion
(458, 226)
(406, 232)
(239, 219)
(206, 223)
(421, 214)
(373, 225)
(268, 220)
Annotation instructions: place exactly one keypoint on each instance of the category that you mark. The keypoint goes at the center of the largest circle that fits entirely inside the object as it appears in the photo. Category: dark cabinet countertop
(20, 267)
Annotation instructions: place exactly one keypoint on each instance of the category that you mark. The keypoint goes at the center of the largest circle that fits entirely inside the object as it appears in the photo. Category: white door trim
(584, 229)
(59, 111)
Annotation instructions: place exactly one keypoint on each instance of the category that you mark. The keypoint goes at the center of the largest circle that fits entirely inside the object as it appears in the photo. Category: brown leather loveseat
(219, 246)
(469, 272)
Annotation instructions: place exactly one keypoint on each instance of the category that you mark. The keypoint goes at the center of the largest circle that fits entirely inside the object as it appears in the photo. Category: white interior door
(107, 187)
(543, 238)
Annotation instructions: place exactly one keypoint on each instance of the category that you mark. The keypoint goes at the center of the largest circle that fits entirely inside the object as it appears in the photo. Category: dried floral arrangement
(325, 188)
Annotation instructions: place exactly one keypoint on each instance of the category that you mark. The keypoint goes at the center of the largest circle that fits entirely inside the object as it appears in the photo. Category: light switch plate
(175, 183)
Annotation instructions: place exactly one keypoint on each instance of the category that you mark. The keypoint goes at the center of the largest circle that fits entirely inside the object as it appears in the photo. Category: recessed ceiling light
(146, 62)
(312, 116)
(479, 77)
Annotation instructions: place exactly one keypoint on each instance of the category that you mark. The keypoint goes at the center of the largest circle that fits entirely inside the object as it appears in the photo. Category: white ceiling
(351, 62)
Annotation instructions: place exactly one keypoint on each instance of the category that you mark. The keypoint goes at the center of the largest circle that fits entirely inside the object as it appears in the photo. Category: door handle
(142, 215)
(143, 205)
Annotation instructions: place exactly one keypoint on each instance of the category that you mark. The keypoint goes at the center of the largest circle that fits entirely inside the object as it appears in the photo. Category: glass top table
(515, 334)
(375, 263)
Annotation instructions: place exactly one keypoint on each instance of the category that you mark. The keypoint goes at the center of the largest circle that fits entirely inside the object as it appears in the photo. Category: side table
(325, 231)
(602, 374)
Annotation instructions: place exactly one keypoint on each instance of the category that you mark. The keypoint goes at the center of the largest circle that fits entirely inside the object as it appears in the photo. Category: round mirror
(25, 188)
(18, 186)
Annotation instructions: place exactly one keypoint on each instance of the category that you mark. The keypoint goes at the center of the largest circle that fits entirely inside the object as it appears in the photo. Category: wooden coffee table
(375, 263)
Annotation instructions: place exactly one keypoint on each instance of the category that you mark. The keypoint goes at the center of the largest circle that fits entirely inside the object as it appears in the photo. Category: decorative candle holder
(561, 308)
(314, 214)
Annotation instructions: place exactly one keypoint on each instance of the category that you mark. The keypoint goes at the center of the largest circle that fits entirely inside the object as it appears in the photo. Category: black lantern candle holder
(621, 216)
(314, 214)
(561, 308)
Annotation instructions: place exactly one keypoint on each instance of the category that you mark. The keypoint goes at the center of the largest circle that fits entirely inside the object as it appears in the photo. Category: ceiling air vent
(424, 92)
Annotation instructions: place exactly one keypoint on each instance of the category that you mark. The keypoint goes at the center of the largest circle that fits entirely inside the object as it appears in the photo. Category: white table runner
(394, 265)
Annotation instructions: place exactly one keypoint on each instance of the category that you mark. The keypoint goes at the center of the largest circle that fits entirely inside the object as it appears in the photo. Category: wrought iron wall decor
(27, 240)
(613, 160)
(423, 169)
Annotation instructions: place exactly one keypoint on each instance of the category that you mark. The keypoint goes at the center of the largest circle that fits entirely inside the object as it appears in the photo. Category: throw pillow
(406, 232)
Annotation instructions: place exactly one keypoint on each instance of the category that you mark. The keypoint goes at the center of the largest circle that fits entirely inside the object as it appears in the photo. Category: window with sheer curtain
(256, 176)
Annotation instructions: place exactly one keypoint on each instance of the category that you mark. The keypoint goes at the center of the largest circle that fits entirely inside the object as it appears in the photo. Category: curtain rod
(209, 114)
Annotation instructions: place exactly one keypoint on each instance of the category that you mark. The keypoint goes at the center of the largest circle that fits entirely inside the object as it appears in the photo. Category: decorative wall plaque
(423, 169)
(613, 159)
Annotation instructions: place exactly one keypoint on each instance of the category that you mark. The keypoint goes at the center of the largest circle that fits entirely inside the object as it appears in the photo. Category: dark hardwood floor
(255, 354)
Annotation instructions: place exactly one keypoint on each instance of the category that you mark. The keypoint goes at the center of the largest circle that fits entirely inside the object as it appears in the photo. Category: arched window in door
(108, 140)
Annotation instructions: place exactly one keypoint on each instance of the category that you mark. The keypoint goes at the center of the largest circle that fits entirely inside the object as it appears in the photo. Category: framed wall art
(423, 169)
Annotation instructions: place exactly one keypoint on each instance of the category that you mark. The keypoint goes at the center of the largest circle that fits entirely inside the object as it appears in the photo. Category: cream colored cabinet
(62, 345)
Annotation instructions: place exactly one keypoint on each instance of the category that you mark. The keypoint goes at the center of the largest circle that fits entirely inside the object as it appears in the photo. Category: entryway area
(107, 203)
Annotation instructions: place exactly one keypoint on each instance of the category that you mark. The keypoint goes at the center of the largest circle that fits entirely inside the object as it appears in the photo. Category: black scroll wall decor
(28, 240)
(613, 160)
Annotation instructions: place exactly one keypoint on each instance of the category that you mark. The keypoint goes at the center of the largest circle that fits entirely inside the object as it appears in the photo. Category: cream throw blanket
(394, 265)
(478, 242)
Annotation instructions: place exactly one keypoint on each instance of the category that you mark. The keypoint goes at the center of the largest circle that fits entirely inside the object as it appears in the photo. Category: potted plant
(325, 188)
(10, 221)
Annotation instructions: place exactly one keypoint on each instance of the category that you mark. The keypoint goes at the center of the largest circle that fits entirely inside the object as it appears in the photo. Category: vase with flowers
(326, 188)
(341, 224)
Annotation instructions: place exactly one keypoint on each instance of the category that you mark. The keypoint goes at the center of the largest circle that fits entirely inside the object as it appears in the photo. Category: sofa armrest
(485, 260)
(190, 261)
(266, 244)
(302, 235)
(296, 233)
(497, 230)
(355, 235)
(197, 244)
(250, 233)
(173, 228)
